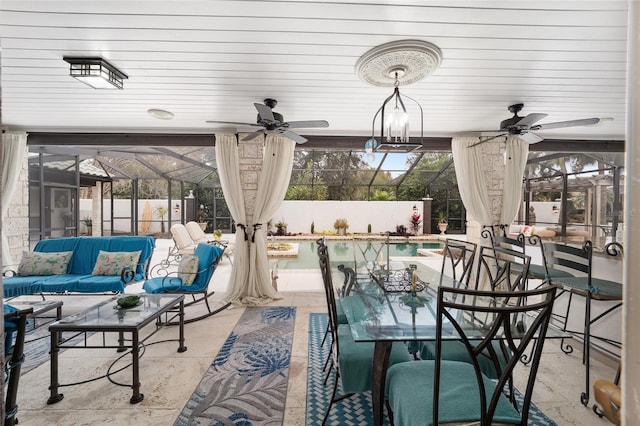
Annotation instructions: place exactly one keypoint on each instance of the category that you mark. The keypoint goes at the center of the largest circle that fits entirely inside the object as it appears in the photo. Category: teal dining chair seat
(356, 360)
(455, 351)
(431, 392)
(459, 397)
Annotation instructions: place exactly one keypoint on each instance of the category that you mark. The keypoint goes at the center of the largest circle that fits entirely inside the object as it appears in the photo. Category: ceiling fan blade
(311, 123)
(530, 137)
(570, 123)
(233, 122)
(530, 119)
(264, 112)
(487, 140)
(291, 135)
(252, 136)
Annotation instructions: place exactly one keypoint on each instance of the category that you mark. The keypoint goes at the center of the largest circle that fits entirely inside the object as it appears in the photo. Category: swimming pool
(342, 252)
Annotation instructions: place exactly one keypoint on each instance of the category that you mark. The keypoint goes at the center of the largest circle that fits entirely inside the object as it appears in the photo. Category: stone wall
(15, 226)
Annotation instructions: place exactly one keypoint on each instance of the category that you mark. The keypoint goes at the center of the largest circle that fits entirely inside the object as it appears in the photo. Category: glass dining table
(383, 308)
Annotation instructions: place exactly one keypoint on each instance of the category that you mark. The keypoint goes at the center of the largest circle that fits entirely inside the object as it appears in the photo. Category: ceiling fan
(271, 121)
(522, 126)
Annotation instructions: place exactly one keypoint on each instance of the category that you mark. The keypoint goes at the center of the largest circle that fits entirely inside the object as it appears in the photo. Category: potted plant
(341, 226)
(281, 227)
(88, 223)
(415, 220)
(217, 234)
(442, 222)
(161, 212)
(201, 217)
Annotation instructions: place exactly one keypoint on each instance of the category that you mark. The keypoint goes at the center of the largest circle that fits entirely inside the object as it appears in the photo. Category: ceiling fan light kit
(394, 64)
(96, 72)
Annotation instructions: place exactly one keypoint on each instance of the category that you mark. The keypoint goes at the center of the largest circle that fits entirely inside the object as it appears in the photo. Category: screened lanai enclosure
(143, 189)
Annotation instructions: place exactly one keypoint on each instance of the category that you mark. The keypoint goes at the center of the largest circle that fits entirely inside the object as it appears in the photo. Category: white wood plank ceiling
(211, 60)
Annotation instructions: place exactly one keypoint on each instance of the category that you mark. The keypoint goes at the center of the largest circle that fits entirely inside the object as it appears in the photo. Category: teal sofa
(79, 277)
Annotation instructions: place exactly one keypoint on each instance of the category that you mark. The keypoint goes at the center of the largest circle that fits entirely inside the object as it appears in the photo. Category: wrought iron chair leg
(584, 398)
(333, 398)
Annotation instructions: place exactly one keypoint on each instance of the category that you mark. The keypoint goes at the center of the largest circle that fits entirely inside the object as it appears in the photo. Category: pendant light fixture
(394, 64)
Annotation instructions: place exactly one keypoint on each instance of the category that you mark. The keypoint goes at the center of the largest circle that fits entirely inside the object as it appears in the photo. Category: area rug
(355, 410)
(247, 381)
(38, 344)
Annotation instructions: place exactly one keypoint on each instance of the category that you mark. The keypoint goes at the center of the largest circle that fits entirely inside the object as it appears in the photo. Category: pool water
(342, 252)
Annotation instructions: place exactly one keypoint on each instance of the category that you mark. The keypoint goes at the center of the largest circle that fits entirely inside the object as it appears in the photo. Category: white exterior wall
(382, 215)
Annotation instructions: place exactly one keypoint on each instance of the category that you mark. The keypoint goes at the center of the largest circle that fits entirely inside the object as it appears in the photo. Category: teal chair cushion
(354, 304)
(454, 350)
(207, 254)
(356, 359)
(410, 394)
(10, 327)
(342, 318)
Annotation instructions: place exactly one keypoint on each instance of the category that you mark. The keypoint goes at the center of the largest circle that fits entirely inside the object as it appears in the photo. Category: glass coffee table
(106, 318)
(40, 308)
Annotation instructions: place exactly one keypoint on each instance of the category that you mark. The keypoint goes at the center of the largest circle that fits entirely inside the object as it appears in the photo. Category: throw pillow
(113, 262)
(40, 263)
(188, 268)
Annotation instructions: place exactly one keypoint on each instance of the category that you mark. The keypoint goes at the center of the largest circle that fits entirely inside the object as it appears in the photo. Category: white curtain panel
(272, 187)
(14, 145)
(471, 179)
(517, 153)
(228, 164)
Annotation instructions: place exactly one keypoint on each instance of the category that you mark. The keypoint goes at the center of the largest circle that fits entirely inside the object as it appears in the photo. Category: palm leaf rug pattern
(357, 409)
(247, 381)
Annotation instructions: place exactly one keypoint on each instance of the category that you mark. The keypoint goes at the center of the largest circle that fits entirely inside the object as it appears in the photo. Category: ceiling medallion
(412, 60)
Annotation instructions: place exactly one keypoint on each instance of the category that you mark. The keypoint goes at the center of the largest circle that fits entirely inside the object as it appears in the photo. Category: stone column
(493, 158)
(251, 154)
(16, 224)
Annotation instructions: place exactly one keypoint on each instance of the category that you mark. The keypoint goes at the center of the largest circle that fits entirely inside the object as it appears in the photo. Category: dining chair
(578, 261)
(457, 260)
(351, 361)
(500, 270)
(500, 239)
(438, 391)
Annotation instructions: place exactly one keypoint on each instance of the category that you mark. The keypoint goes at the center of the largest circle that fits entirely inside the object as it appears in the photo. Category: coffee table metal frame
(103, 318)
(40, 307)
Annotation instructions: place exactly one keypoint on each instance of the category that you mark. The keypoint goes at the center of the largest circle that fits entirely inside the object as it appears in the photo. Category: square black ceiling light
(96, 72)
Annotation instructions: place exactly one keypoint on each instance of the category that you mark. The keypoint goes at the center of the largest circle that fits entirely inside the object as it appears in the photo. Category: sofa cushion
(112, 263)
(86, 250)
(188, 268)
(35, 263)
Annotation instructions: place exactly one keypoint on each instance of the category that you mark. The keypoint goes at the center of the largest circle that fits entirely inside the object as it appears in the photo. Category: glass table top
(375, 314)
(107, 313)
